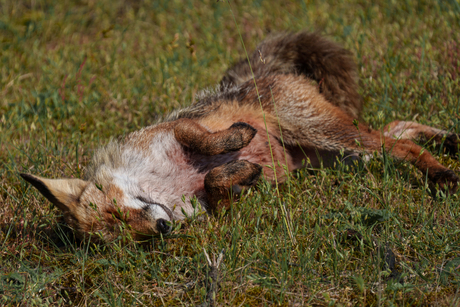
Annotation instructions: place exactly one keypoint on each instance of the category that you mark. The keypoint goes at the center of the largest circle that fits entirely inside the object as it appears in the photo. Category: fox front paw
(199, 139)
(225, 180)
(240, 135)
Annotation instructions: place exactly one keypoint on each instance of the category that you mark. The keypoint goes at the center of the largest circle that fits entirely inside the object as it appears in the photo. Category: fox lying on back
(297, 105)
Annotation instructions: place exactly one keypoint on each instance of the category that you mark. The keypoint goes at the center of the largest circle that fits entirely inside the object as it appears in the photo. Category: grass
(73, 74)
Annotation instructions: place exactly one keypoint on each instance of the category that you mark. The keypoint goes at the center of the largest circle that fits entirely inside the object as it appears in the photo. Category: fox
(290, 104)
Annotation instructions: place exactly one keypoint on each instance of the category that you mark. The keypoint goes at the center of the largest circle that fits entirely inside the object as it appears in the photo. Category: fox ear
(63, 193)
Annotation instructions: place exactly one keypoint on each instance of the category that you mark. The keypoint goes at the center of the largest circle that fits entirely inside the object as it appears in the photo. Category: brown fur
(293, 107)
(198, 139)
(307, 54)
(222, 181)
(416, 131)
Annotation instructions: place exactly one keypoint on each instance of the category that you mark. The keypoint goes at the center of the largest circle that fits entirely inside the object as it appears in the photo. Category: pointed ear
(63, 193)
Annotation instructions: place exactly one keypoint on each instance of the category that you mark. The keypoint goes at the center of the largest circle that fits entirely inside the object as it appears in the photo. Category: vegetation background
(73, 74)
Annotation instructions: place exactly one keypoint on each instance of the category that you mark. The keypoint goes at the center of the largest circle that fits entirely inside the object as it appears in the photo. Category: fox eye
(146, 201)
(152, 205)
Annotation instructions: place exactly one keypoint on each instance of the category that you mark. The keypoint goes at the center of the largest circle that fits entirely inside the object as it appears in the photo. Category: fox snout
(163, 226)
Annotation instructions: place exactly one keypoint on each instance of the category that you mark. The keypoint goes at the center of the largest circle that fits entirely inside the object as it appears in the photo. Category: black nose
(163, 226)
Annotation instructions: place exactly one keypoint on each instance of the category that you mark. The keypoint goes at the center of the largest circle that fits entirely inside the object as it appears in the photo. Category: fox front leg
(194, 136)
(229, 178)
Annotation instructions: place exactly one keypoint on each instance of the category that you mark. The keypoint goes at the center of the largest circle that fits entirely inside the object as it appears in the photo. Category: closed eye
(152, 203)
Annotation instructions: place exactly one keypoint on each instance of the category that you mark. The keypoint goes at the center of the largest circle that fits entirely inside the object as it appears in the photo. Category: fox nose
(163, 226)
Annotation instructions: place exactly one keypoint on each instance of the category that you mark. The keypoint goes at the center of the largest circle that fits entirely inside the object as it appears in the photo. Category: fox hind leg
(342, 134)
(415, 131)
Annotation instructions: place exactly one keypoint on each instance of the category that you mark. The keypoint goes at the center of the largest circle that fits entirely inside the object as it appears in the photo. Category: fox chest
(171, 172)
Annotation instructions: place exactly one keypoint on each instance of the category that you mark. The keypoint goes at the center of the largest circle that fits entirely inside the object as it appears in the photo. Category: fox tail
(308, 54)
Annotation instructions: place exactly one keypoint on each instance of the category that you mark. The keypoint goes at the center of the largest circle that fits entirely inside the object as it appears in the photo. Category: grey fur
(105, 158)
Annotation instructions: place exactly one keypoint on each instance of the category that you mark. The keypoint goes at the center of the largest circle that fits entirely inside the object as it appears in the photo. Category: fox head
(145, 181)
(143, 186)
(92, 209)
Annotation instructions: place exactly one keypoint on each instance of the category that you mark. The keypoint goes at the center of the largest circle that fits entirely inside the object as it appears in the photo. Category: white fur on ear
(63, 193)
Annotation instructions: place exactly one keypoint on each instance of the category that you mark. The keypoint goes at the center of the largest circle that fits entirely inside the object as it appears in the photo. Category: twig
(213, 278)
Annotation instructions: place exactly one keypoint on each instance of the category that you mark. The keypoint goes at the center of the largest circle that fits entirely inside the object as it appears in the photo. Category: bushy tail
(308, 54)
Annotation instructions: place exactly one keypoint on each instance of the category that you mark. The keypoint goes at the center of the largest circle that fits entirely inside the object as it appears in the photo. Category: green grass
(73, 74)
